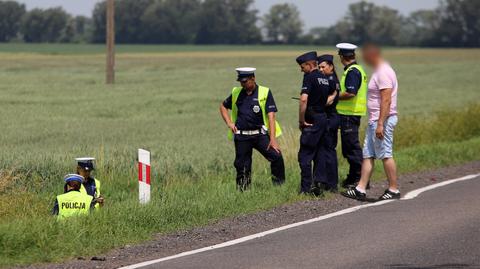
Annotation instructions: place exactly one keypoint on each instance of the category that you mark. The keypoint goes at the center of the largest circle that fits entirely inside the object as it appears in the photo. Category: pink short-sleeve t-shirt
(384, 77)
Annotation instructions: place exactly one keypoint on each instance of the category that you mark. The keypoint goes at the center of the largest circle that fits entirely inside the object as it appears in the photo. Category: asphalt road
(438, 229)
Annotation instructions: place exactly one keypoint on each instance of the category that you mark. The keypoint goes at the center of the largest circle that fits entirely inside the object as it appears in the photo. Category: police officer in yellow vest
(73, 202)
(252, 125)
(351, 107)
(90, 185)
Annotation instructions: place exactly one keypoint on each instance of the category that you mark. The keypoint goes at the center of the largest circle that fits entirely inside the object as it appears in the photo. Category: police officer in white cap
(90, 185)
(351, 107)
(252, 125)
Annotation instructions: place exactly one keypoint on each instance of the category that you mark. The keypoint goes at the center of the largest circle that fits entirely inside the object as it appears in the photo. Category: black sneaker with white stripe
(353, 193)
(388, 195)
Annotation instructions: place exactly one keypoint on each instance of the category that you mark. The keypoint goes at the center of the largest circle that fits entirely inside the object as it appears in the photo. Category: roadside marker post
(143, 176)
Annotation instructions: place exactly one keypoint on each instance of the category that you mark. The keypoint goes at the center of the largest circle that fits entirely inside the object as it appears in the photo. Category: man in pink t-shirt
(384, 77)
(382, 119)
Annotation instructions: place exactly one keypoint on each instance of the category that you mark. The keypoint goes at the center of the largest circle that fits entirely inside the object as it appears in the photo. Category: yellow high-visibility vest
(73, 203)
(356, 106)
(262, 100)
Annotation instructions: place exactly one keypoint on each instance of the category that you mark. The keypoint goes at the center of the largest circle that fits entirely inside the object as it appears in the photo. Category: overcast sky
(314, 12)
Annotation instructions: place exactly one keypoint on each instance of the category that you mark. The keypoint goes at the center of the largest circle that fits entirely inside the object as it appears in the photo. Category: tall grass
(448, 125)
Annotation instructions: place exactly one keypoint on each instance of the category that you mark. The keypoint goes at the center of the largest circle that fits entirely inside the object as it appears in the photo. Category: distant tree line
(455, 23)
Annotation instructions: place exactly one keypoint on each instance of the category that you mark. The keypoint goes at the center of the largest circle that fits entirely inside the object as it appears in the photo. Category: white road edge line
(408, 196)
(416, 192)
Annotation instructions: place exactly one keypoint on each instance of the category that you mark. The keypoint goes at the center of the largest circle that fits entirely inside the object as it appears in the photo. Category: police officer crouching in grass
(326, 66)
(90, 185)
(351, 107)
(313, 123)
(73, 202)
(252, 125)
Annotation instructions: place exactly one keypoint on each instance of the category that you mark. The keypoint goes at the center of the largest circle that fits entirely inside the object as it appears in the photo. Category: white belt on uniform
(250, 132)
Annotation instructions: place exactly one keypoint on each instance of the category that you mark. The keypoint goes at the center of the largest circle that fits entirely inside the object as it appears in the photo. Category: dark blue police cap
(245, 72)
(325, 58)
(86, 163)
(309, 56)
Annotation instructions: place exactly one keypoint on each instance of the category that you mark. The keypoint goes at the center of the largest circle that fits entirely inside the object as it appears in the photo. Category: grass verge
(28, 234)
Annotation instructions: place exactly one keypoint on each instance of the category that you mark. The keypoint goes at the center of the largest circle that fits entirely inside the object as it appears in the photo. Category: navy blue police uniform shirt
(90, 186)
(249, 116)
(318, 87)
(353, 80)
(333, 107)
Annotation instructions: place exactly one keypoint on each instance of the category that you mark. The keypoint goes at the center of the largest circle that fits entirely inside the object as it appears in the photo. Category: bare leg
(391, 171)
(367, 170)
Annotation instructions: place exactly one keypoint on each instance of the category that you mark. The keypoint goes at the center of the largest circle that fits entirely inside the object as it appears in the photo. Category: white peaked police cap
(245, 72)
(346, 46)
(86, 163)
(85, 159)
(346, 49)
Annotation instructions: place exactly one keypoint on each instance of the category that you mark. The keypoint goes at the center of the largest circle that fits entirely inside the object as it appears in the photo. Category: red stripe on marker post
(143, 176)
(147, 177)
(140, 168)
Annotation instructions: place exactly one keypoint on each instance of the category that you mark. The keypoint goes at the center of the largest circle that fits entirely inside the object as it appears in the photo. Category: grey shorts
(379, 148)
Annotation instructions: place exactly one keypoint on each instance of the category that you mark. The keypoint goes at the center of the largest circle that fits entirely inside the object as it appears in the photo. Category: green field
(54, 106)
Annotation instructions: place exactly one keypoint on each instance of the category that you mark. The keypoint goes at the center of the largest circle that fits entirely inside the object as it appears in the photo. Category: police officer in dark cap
(351, 107)
(327, 67)
(313, 122)
(252, 125)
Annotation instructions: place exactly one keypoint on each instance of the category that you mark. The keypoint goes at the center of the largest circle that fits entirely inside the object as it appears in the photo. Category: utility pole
(110, 39)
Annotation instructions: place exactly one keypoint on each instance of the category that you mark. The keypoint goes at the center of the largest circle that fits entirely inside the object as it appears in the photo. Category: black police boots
(319, 189)
(243, 183)
(277, 182)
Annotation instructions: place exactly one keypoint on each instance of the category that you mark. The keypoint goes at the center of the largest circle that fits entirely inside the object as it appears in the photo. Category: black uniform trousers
(312, 149)
(351, 149)
(330, 150)
(244, 146)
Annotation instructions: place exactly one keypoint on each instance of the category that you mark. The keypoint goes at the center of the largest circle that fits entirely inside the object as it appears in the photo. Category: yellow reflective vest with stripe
(97, 191)
(262, 100)
(73, 203)
(356, 106)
